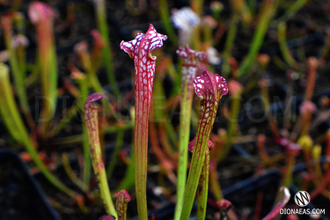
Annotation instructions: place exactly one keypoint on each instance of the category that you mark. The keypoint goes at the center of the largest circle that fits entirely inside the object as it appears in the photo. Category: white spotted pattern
(140, 50)
(210, 88)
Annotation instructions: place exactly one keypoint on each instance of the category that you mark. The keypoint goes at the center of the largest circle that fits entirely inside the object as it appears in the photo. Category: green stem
(48, 68)
(195, 170)
(252, 6)
(207, 34)
(177, 79)
(8, 119)
(107, 51)
(283, 46)
(185, 116)
(191, 59)
(87, 159)
(195, 40)
(203, 188)
(86, 151)
(229, 43)
(265, 16)
(21, 60)
(95, 83)
(141, 153)
(165, 18)
(197, 7)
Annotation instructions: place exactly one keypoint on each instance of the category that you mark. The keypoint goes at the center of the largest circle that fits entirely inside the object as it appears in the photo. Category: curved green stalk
(283, 46)
(266, 13)
(100, 9)
(16, 69)
(229, 43)
(12, 118)
(71, 174)
(165, 17)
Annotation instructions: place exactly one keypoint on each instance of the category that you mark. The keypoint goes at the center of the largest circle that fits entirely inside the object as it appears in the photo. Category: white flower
(185, 20)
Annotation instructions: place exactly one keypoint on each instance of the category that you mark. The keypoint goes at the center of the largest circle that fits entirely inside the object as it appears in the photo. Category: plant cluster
(275, 116)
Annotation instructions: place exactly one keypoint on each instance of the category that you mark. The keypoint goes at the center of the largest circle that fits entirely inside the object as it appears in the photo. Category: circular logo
(302, 198)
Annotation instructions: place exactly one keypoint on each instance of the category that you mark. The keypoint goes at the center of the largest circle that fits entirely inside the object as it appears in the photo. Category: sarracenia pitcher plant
(189, 68)
(42, 16)
(140, 49)
(210, 88)
(92, 125)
